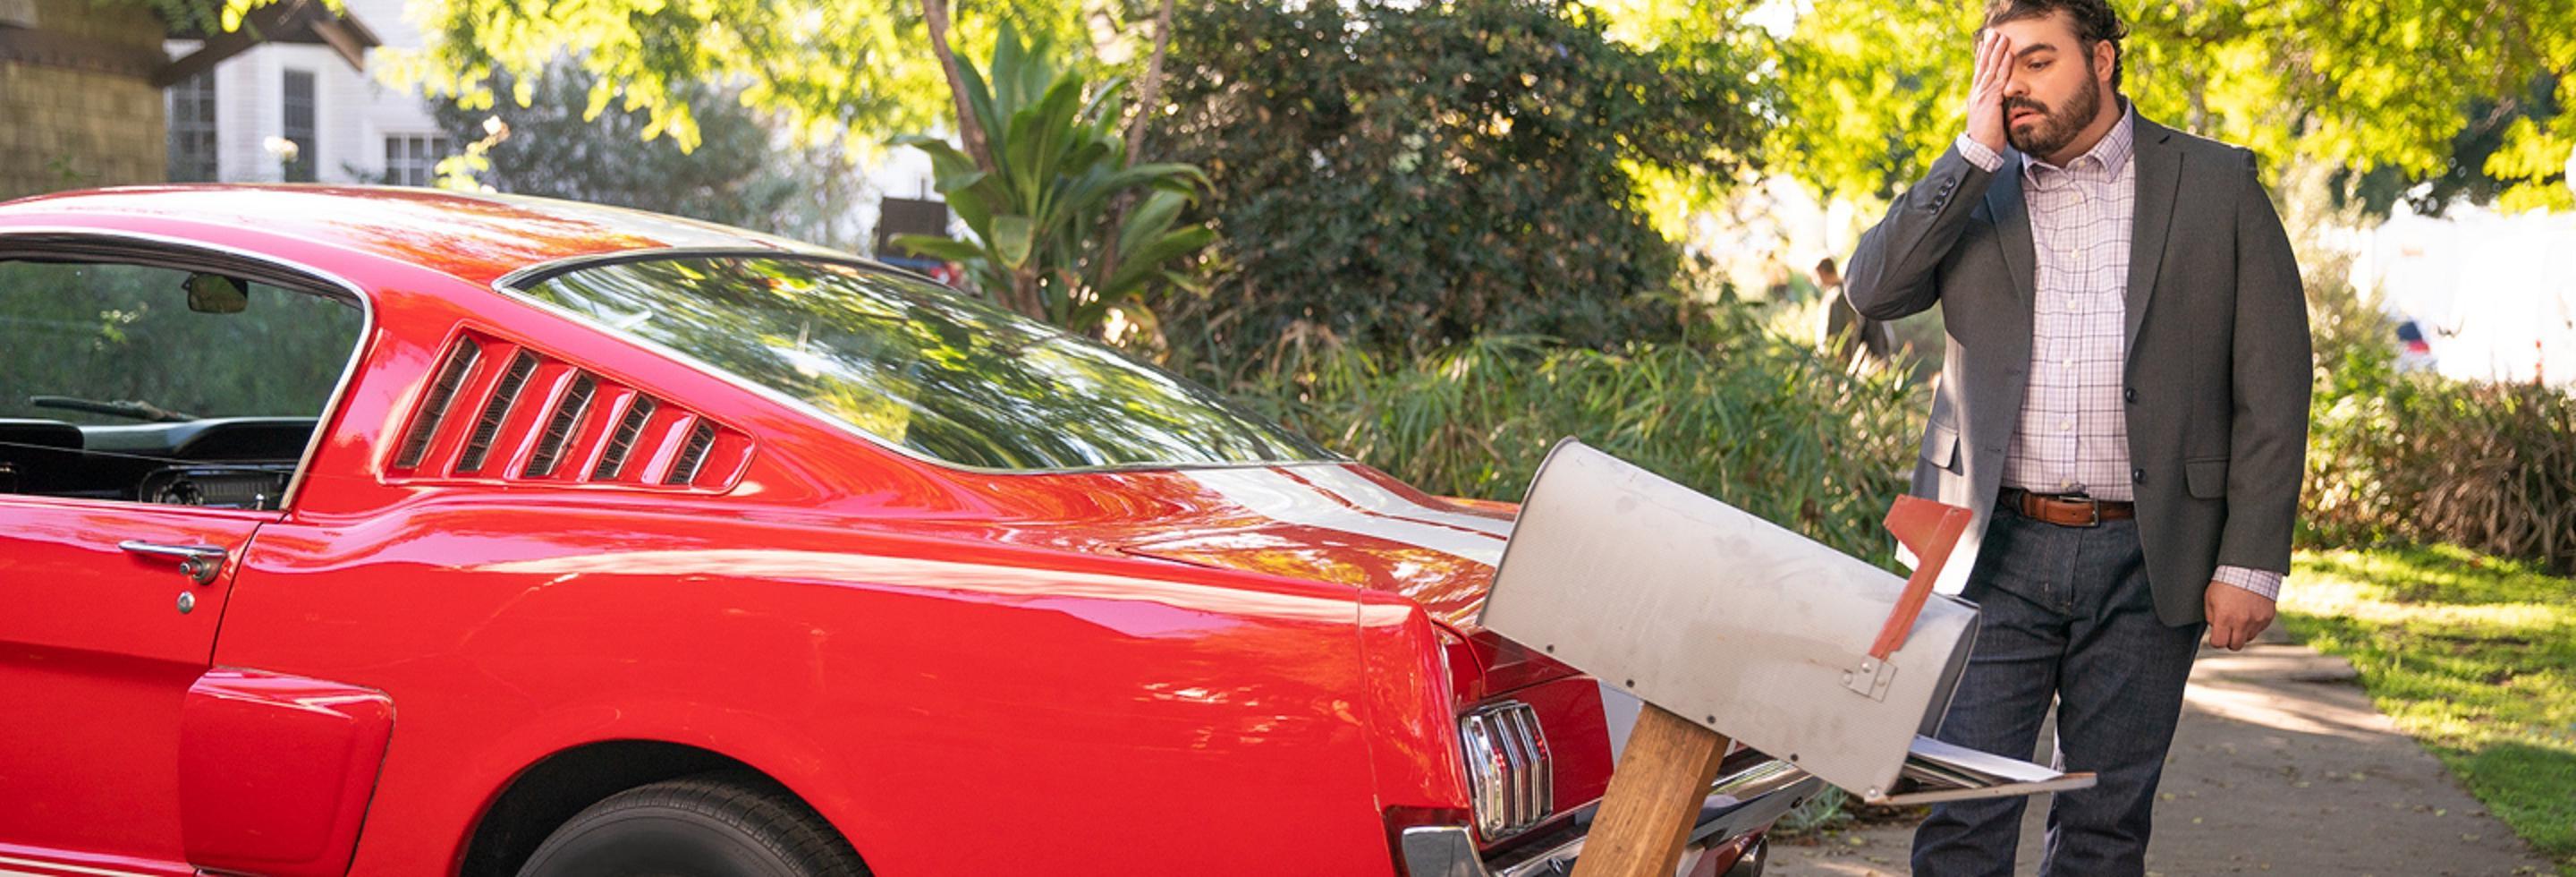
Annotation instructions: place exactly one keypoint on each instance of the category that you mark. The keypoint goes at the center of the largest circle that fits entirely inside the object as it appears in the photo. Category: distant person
(1846, 334)
(2124, 406)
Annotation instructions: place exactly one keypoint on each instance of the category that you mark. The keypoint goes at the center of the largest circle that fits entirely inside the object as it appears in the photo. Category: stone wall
(77, 109)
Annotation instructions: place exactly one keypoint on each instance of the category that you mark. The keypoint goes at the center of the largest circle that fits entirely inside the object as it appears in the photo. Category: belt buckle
(2090, 505)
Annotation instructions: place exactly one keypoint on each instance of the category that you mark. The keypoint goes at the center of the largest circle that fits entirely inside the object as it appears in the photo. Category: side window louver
(622, 442)
(559, 428)
(692, 455)
(433, 409)
(577, 426)
(504, 394)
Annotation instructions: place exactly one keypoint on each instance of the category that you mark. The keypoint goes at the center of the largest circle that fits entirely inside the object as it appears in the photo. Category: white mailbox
(1748, 629)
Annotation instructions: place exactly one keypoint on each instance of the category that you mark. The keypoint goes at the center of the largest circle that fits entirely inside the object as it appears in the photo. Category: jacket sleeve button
(2129, 394)
(2137, 476)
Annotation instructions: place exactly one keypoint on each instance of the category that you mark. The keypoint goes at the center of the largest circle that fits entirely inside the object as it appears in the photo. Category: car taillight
(1510, 776)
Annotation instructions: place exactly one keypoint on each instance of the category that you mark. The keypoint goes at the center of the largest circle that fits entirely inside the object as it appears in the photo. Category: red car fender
(779, 751)
(1411, 705)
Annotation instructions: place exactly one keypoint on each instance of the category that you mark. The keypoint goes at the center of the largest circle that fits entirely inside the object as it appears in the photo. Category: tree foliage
(211, 16)
(2465, 178)
(853, 71)
(739, 174)
(1038, 204)
(1404, 176)
(2386, 87)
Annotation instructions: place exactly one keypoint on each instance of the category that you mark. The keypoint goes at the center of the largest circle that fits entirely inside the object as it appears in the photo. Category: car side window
(139, 382)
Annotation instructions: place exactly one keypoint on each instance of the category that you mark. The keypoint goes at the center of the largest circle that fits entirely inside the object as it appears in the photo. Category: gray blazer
(2218, 362)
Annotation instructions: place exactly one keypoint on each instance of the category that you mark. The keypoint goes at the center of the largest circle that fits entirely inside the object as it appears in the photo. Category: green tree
(2383, 87)
(738, 175)
(2465, 178)
(852, 71)
(1405, 176)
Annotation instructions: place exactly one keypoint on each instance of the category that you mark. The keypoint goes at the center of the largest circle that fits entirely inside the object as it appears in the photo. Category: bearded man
(2123, 405)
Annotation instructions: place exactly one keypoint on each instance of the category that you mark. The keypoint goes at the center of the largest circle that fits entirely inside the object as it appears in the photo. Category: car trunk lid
(1351, 525)
(1344, 524)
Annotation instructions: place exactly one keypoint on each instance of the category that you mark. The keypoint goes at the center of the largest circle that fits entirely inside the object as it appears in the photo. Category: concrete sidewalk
(2281, 766)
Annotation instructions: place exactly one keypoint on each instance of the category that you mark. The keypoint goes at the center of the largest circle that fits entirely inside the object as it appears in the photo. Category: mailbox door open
(1935, 771)
(1744, 628)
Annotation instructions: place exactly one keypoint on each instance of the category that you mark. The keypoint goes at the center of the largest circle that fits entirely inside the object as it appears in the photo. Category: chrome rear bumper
(1738, 804)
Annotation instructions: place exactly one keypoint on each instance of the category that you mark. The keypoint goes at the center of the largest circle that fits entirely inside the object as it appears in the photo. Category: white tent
(2494, 294)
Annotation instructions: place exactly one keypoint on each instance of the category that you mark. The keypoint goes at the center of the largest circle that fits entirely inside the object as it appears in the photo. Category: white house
(231, 123)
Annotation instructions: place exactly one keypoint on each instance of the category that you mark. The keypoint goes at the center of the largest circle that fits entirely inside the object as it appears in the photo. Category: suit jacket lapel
(2159, 166)
(2012, 228)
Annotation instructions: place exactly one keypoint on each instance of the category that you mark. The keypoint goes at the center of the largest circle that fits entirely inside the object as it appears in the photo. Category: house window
(192, 130)
(411, 159)
(298, 107)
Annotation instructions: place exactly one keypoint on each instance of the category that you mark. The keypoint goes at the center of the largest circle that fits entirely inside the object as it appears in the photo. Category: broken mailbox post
(1731, 627)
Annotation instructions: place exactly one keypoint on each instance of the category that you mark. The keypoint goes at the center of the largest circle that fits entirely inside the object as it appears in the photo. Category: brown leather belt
(2067, 510)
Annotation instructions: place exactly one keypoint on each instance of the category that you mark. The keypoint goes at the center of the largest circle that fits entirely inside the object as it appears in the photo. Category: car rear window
(920, 366)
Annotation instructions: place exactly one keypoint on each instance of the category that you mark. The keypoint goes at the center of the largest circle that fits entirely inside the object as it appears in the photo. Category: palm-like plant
(1040, 204)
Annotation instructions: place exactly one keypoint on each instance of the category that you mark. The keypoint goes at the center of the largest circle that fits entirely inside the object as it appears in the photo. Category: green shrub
(1407, 176)
(2424, 459)
(1763, 423)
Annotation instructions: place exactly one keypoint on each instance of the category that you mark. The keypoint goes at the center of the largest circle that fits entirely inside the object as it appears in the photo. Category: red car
(405, 532)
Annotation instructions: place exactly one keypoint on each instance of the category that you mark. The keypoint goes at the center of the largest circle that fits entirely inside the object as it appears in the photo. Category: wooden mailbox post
(1730, 627)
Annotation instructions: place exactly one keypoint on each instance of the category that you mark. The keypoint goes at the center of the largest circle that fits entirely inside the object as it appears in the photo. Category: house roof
(281, 21)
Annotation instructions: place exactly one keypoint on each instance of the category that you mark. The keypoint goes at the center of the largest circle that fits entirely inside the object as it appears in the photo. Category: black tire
(712, 825)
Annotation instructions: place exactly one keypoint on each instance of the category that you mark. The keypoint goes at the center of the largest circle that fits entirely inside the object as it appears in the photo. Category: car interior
(161, 378)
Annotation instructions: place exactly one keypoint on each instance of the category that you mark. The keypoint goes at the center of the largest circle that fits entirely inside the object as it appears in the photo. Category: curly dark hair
(2095, 22)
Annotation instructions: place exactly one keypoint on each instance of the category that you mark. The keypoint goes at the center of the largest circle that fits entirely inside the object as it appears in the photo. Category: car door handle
(200, 562)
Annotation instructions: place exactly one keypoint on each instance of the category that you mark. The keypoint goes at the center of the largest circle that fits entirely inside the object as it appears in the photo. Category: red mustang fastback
(405, 532)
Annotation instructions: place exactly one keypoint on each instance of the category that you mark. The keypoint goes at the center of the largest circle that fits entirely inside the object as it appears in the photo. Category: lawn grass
(2474, 657)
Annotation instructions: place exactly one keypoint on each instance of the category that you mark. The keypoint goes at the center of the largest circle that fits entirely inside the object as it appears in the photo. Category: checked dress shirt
(2074, 431)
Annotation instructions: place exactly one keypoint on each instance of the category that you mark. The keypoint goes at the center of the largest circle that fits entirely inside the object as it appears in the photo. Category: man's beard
(2057, 126)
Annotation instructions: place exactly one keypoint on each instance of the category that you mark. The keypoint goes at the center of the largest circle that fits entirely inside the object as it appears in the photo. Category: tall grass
(1761, 422)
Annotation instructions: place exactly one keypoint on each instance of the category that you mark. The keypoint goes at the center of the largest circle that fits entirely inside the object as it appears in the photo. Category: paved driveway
(2281, 766)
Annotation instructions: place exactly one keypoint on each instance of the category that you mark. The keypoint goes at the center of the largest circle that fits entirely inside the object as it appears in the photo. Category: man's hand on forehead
(1993, 68)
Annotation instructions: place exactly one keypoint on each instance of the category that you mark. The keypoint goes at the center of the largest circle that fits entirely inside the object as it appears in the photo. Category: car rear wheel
(711, 825)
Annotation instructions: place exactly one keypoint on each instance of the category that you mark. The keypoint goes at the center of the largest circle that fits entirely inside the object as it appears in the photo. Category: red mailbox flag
(1930, 530)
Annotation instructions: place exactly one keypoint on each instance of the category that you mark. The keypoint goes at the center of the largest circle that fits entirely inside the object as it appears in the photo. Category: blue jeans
(2064, 613)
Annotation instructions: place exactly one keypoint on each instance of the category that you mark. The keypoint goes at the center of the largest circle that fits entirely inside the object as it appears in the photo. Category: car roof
(477, 237)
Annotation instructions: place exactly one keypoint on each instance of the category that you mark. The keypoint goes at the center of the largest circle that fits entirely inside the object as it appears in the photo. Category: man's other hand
(2235, 615)
(1986, 90)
